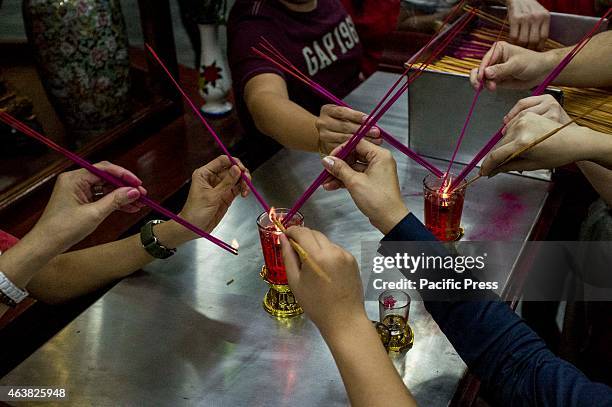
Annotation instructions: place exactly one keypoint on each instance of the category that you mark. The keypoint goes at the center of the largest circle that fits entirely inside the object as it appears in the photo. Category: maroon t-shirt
(322, 43)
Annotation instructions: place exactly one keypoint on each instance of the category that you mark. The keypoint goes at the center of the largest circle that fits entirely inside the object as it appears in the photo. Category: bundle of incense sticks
(212, 132)
(380, 110)
(279, 60)
(466, 52)
(538, 91)
(16, 124)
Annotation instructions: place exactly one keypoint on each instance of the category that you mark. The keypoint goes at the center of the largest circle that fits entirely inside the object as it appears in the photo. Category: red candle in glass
(269, 236)
(443, 208)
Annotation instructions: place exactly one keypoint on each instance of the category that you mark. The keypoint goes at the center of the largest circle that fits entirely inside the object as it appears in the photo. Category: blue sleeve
(513, 363)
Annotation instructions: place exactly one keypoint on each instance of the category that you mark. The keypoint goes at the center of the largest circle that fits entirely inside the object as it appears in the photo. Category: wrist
(346, 329)
(598, 147)
(390, 218)
(171, 235)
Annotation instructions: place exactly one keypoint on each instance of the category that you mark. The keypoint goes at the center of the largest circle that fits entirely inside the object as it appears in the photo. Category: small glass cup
(443, 208)
(394, 310)
(269, 236)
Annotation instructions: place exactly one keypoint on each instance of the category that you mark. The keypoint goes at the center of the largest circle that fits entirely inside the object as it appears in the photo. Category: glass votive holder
(443, 208)
(279, 300)
(394, 310)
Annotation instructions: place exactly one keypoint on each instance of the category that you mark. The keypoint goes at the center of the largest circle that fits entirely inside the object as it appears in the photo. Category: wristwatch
(10, 294)
(151, 244)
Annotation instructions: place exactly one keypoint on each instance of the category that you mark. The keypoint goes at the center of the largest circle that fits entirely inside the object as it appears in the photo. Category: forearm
(285, 121)
(368, 374)
(590, 67)
(23, 261)
(80, 272)
(600, 178)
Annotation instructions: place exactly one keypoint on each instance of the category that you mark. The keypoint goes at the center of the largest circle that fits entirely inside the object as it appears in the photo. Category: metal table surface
(178, 334)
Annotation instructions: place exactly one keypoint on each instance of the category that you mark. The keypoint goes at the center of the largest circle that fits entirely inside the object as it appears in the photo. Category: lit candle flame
(235, 244)
(272, 216)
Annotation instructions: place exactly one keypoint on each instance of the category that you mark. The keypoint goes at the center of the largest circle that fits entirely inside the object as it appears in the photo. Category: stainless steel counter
(179, 334)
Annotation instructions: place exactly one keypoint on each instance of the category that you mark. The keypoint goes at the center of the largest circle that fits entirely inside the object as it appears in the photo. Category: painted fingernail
(328, 162)
(133, 194)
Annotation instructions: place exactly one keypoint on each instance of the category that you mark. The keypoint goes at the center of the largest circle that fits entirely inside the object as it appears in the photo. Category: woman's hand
(565, 147)
(510, 66)
(529, 23)
(213, 189)
(544, 105)
(370, 175)
(331, 306)
(73, 211)
(336, 124)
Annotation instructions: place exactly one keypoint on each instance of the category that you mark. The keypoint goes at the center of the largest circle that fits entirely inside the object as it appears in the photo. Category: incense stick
(119, 183)
(373, 118)
(302, 253)
(332, 98)
(212, 132)
(538, 91)
(469, 116)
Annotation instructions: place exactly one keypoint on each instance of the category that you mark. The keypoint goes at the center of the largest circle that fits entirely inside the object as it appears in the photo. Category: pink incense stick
(332, 98)
(469, 116)
(538, 91)
(119, 183)
(373, 117)
(195, 109)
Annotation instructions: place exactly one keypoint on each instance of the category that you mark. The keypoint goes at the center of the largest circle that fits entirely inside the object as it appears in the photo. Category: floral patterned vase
(81, 49)
(215, 82)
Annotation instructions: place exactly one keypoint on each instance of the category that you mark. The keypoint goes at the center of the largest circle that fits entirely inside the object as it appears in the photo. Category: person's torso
(323, 44)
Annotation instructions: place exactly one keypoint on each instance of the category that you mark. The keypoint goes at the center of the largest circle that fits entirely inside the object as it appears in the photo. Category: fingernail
(364, 118)
(133, 194)
(328, 162)
(234, 171)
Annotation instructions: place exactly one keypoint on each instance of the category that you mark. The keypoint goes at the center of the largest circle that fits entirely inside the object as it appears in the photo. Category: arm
(70, 215)
(510, 66)
(293, 126)
(494, 342)
(213, 189)
(337, 310)
(532, 118)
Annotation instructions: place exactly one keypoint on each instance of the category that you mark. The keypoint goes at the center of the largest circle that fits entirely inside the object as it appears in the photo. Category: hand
(563, 148)
(544, 105)
(331, 306)
(72, 213)
(336, 124)
(213, 189)
(529, 23)
(512, 67)
(370, 176)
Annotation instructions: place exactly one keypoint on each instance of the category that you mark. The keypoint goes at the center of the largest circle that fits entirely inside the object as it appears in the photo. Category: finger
(119, 172)
(378, 141)
(339, 169)
(496, 157)
(521, 105)
(229, 180)
(117, 199)
(544, 31)
(345, 113)
(474, 78)
(291, 260)
(341, 126)
(335, 138)
(518, 164)
(523, 38)
(534, 34)
(333, 185)
(515, 26)
(218, 165)
(305, 237)
(492, 57)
